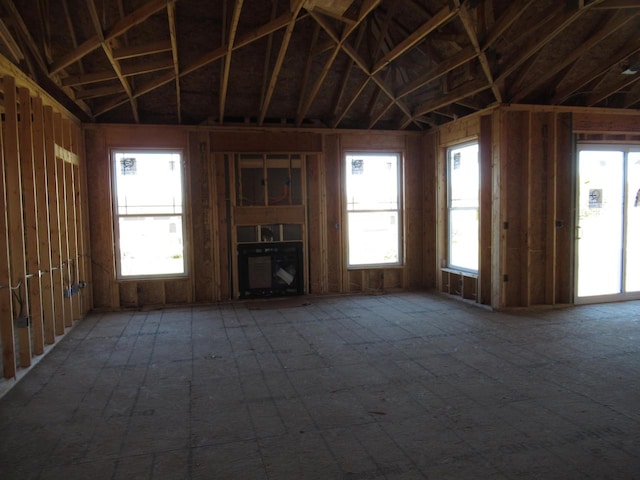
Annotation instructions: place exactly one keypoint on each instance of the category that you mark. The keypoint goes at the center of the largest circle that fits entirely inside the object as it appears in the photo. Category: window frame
(116, 215)
(448, 157)
(399, 210)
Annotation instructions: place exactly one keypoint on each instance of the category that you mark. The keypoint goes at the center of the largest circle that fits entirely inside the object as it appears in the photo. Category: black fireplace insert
(270, 269)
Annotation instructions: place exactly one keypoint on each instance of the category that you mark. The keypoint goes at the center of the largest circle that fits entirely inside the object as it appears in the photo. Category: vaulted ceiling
(367, 64)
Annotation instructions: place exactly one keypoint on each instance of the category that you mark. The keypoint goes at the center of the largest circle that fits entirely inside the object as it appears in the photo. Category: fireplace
(270, 269)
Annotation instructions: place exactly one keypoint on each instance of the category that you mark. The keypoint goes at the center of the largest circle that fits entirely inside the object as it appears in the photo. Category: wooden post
(15, 223)
(64, 228)
(484, 273)
(54, 221)
(6, 313)
(42, 211)
(498, 212)
(221, 231)
(72, 229)
(201, 207)
(31, 220)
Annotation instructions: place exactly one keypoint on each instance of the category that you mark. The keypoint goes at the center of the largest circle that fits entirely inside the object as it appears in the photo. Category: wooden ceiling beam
(145, 49)
(366, 8)
(171, 14)
(375, 97)
(72, 33)
(513, 12)
(380, 43)
(558, 23)
(346, 75)
(618, 4)
(125, 84)
(93, 13)
(284, 47)
(111, 104)
(463, 91)
(45, 29)
(356, 93)
(134, 18)
(267, 55)
(463, 56)
(24, 31)
(235, 19)
(598, 96)
(10, 43)
(381, 83)
(140, 68)
(362, 65)
(467, 22)
(87, 78)
(442, 17)
(595, 72)
(383, 111)
(631, 100)
(308, 65)
(467, 54)
(204, 60)
(616, 22)
(100, 92)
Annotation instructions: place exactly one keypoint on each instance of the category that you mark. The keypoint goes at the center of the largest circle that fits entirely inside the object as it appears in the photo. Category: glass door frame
(626, 149)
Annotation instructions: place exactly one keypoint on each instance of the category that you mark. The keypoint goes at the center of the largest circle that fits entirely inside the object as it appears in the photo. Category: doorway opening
(608, 224)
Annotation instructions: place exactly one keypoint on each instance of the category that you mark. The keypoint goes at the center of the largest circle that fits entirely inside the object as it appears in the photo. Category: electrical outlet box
(22, 322)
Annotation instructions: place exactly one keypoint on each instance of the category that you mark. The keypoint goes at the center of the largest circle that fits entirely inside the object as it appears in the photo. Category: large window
(463, 206)
(149, 213)
(373, 208)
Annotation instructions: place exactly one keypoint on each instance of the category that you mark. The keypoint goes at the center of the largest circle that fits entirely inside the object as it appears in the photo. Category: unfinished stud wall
(107, 292)
(44, 264)
(527, 189)
(209, 153)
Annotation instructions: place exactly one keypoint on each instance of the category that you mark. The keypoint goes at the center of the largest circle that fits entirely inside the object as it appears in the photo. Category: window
(373, 208)
(149, 214)
(463, 206)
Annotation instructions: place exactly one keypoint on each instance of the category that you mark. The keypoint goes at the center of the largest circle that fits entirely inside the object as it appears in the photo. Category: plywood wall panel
(6, 310)
(485, 160)
(101, 225)
(538, 198)
(30, 203)
(31, 281)
(564, 219)
(465, 129)
(363, 142)
(334, 225)
(414, 162)
(61, 176)
(201, 204)
(316, 179)
(15, 211)
(151, 292)
(177, 292)
(44, 239)
(590, 121)
(429, 263)
(517, 154)
(249, 141)
(128, 294)
(221, 228)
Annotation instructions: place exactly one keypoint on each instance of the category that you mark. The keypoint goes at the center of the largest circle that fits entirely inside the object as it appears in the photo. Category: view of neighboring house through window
(373, 208)
(463, 206)
(149, 213)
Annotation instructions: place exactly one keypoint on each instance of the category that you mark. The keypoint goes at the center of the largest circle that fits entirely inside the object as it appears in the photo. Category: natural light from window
(463, 206)
(149, 222)
(373, 208)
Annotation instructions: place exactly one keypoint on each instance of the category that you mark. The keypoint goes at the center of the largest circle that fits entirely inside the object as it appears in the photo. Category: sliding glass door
(608, 234)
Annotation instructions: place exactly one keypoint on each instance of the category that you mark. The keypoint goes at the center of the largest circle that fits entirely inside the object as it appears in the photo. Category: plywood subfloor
(398, 386)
